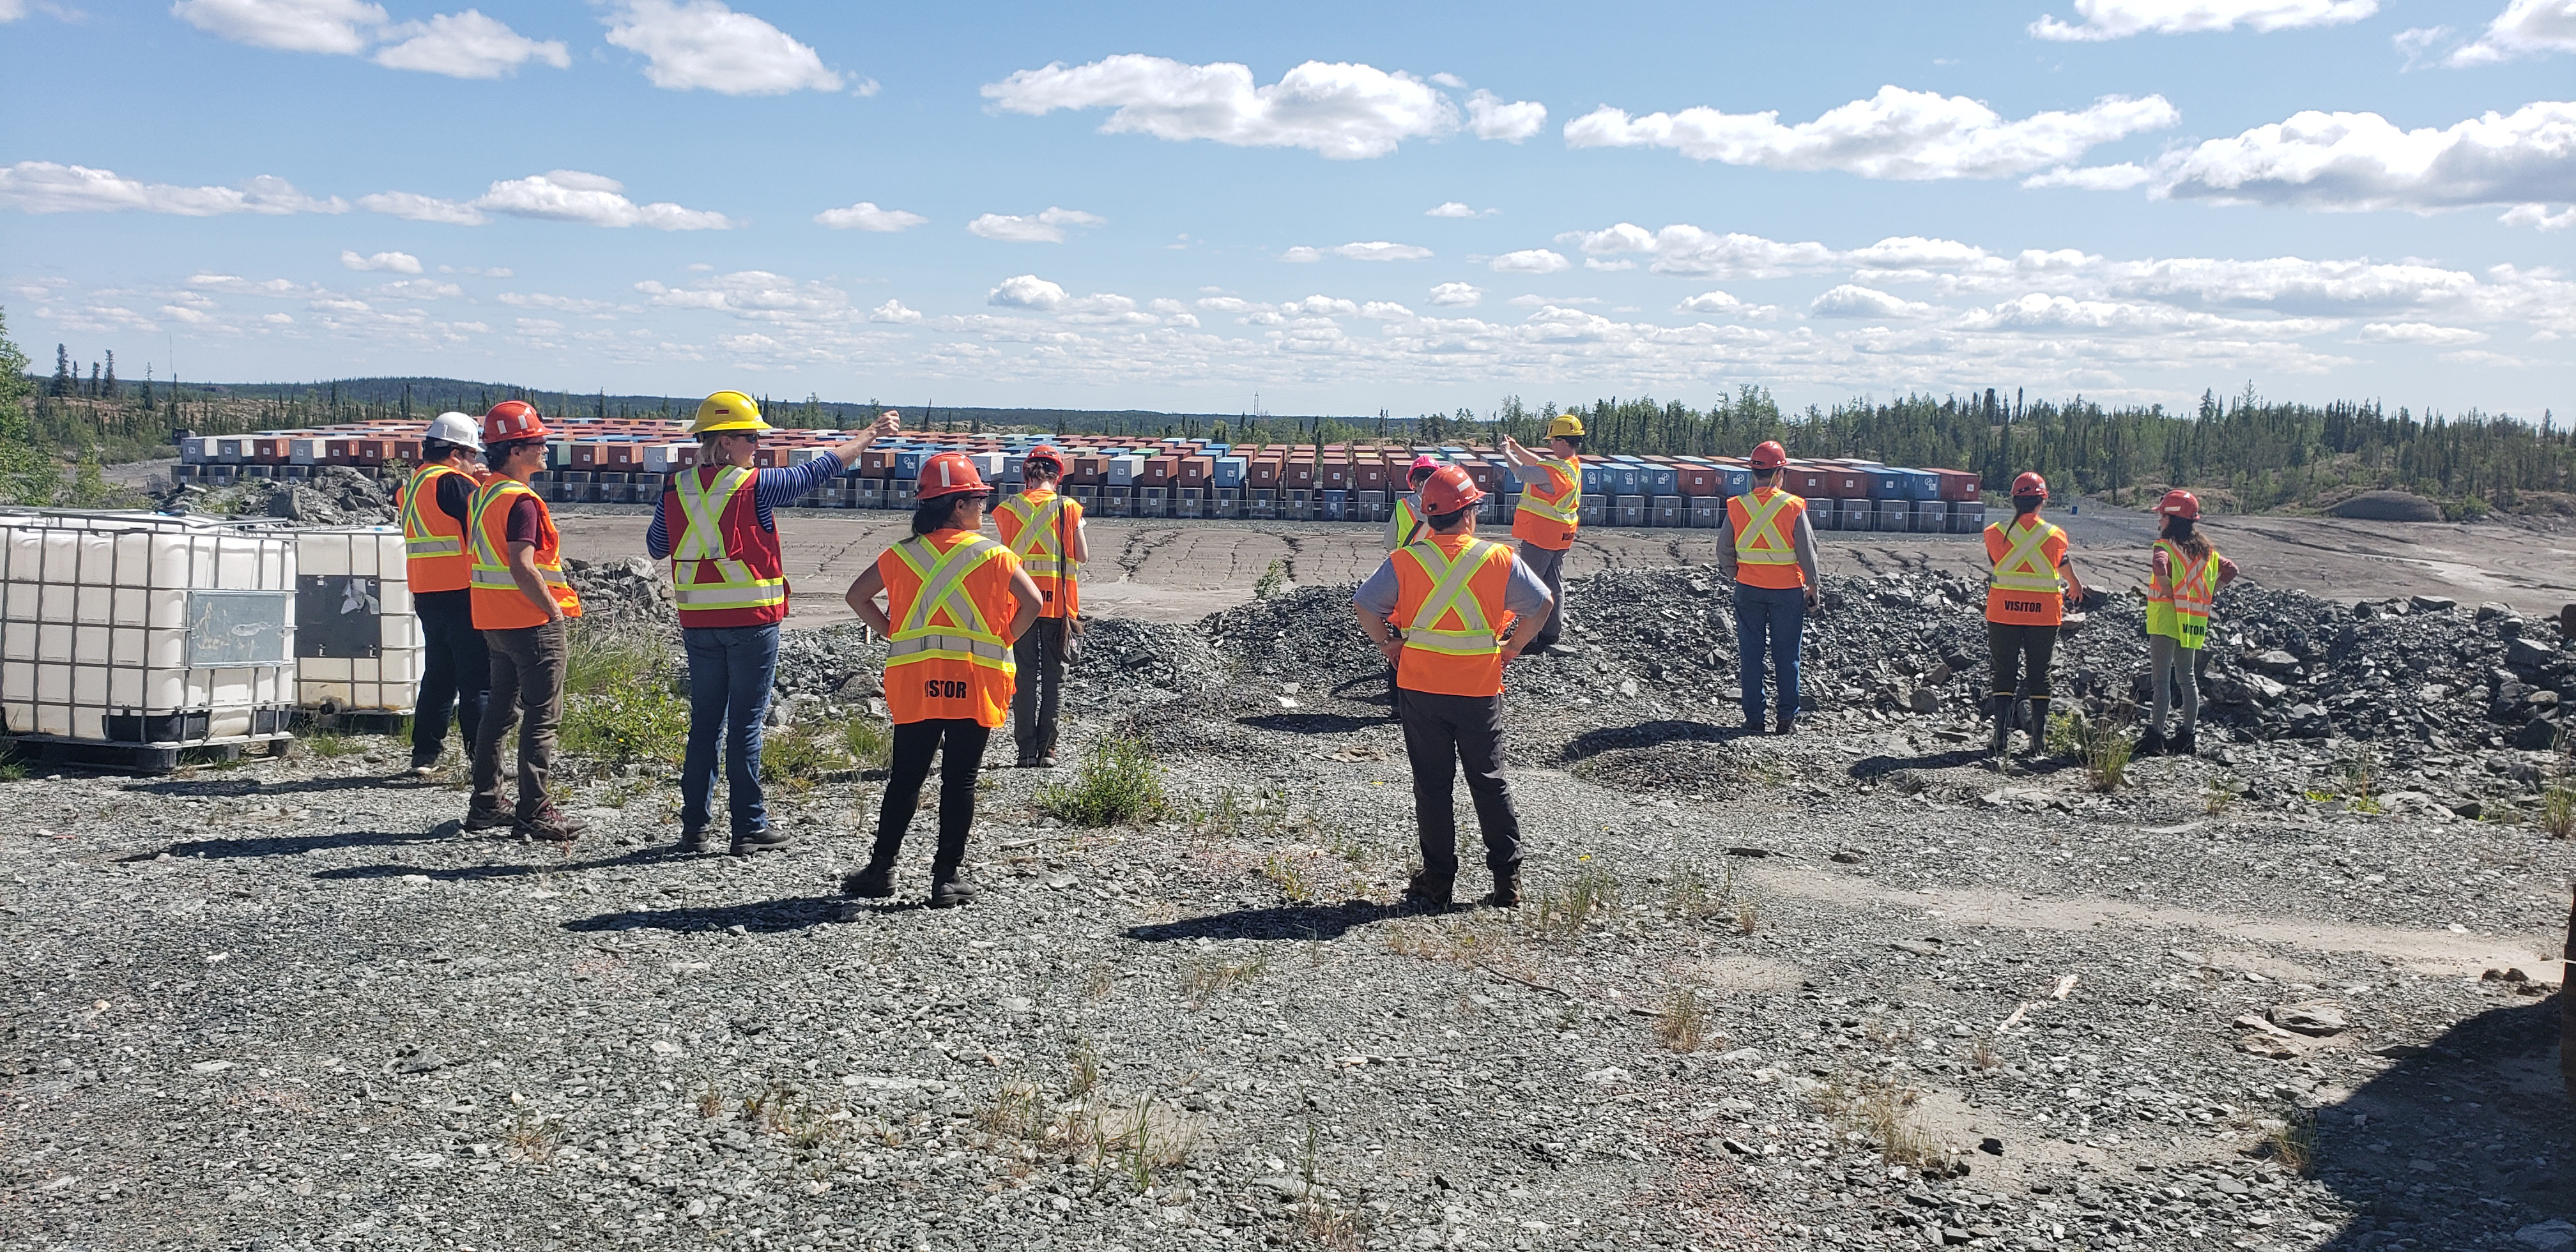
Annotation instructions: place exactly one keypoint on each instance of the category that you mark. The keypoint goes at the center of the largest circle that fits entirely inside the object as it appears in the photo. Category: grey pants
(2173, 666)
(1549, 565)
(1039, 654)
(528, 689)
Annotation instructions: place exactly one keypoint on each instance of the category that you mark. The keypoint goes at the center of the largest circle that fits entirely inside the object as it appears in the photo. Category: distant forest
(2242, 452)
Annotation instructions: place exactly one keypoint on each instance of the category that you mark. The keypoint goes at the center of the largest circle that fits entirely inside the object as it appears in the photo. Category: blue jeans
(1773, 619)
(730, 668)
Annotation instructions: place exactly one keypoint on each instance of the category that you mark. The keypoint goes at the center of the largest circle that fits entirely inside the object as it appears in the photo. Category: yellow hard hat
(727, 410)
(1566, 426)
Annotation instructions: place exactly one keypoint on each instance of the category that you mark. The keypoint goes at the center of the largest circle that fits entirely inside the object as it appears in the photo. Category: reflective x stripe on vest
(1759, 541)
(420, 504)
(1034, 544)
(1475, 636)
(702, 544)
(2178, 604)
(2025, 566)
(1567, 508)
(491, 566)
(1408, 521)
(943, 586)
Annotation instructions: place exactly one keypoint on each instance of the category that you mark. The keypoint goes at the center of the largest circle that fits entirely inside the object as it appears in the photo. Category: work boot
(1047, 761)
(693, 839)
(2003, 725)
(1028, 760)
(1788, 725)
(765, 839)
(2150, 744)
(1507, 890)
(479, 818)
(952, 891)
(1425, 891)
(873, 881)
(549, 825)
(424, 764)
(2038, 745)
(2183, 741)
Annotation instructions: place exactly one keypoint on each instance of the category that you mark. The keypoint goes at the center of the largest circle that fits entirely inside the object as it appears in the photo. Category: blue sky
(1180, 207)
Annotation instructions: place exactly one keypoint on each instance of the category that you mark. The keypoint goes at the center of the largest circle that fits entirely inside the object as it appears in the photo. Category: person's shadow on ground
(760, 916)
(1294, 921)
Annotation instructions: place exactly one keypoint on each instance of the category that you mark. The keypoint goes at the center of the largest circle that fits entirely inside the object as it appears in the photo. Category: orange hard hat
(1769, 455)
(2180, 503)
(949, 474)
(2030, 484)
(1045, 452)
(1449, 490)
(511, 420)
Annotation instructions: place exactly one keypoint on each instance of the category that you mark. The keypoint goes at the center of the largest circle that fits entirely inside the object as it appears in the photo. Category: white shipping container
(139, 628)
(357, 642)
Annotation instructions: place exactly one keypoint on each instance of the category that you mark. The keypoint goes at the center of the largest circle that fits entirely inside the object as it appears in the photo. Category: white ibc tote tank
(134, 628)
(357, 644)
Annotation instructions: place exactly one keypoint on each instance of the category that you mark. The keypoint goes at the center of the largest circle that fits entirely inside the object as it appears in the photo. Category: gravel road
(1849, 988)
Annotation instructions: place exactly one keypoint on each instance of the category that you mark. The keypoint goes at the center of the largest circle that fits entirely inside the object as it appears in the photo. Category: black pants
(963, 739)
(1440, 733)
(1039, 655)
(2008, 646)
(455, 673)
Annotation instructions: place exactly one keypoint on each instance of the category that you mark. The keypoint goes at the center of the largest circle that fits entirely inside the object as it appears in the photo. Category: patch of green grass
(1563, 912)
(2106, 758)
(1203, 979)
(1117, 784)
(868, 741)
(1684, 1024)
(800, 755)
(13, 767)
(622, 699)
(1272, 581)
(2558, 810)
(327, 744)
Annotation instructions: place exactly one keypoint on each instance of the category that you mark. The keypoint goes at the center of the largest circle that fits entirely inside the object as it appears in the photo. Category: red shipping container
(1807, 482)
(1264, 472)
(621, 454)
(1698, 480)
(1369, 475)
(878, 462)
(588, 454)
(1087, 470)
(1486, 477)
(403, 449)
(1160, 471)
(1958, 485)
(370, 451)
(1298, 475)
(770, 456)
(1196, 470)
(1844, 484)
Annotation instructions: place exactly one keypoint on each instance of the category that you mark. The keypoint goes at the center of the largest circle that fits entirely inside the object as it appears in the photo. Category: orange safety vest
(1550, 514)
(2178, 600)
(1449, 604)
(1766, 529)
(725, 570)
(497, 602)
(1034, 525)
(2025, 588)
(433, 542)
(949, 595)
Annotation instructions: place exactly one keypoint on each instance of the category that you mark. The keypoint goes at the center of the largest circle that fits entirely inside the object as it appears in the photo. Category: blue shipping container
(1229, 471)
(1919, 484)
(1660, 480)
(1886, 484)
(1734, 480)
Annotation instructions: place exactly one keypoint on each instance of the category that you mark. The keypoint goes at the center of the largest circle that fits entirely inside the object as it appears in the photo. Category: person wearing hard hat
(1551, 512)
(1044, 530)
(955, 602)
(455, 667)
(1466, 607)
(2184, 573)
(1404, 522)
(715, 525)
(1770, 555)
(2025, 604)
(522, 603)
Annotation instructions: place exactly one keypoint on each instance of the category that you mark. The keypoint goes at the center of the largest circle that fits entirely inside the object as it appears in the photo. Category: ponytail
(2186, 536)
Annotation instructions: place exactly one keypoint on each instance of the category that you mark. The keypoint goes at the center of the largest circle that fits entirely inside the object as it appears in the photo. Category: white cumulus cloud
(1026, 291)
(1852, 300)
(1381, 250)
(2118, 177)
(865, 215)
(2362, 161)
(1341, 110)
(704, 45)
(466, 45)
(1457, 208)
(2420, 332)
(2119, 19)
(1896, 134)
(2539, 217)
(1457, 295)
(1529, 261)
(1302, 255)
(46, 187)
(2525, 28)
(1046, 227)
(339, 27)
(554, 196)
(1709, 302)
(1689, 250)
(397, 262)
(893, 311)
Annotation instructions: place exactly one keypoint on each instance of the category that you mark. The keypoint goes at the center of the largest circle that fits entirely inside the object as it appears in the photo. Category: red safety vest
(725, 570)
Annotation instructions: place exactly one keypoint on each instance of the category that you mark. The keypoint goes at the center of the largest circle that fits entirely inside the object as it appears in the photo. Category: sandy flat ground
(1183, 570)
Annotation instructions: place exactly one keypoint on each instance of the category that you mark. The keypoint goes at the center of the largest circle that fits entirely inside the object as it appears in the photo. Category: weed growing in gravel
(1100, 984)
(1982, 1055)
(799, 756)
(1272, 581)
(2106, 758)
(2221, 795)
(1692, 897)
(1684, 1025)
(868, 741)
(1883, 1113)
(2558, 810)
(2066, 733)
(1084, 1067)
(2359, 776)
(621, 698)
(1203, 979)
(1017, 1112)
(1747, 918)
(1291, 883)
(711, 1103)
(1118, 783)
(327, 744)
(528, 1136)
(2294, 1143)
(1564, 912)
(13, 767)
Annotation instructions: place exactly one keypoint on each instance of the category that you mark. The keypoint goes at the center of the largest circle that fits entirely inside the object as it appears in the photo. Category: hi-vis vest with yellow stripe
(1549, 516)
(2025, 589)
(725, 570)
(498, 603)
(1035, 525)
(1766, 549)
(1451, 612)
(2178, 601)
(947, 657)
(433, 542)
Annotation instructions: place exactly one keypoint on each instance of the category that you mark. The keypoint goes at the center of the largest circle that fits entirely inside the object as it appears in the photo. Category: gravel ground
(1850, 988)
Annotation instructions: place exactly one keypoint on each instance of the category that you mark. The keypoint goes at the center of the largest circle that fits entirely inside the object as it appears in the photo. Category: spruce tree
(110, 393)
(62, 371)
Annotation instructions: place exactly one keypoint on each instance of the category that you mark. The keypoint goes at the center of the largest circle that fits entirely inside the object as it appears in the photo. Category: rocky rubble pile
(631, 593)
(335, 495)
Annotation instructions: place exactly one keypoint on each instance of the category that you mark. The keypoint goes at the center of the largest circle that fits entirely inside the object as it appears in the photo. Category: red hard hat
(1423, 464)
(948, 474)
(513, 419)
(2030, 484)
(1449, 490)
(2180, 503)
(1047, 453)
(1769, 455)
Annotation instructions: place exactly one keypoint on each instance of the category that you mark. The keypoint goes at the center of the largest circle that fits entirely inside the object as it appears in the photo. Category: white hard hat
(456, 428)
